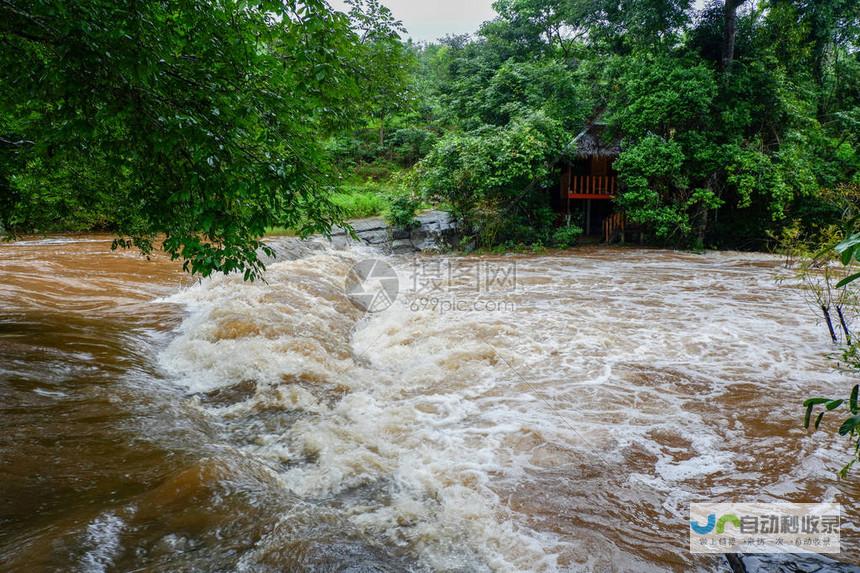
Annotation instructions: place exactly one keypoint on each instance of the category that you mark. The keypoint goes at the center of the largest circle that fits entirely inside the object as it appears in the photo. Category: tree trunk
(702, 228)
(702, 215)
(730, 27)
(821, 41)
(381, 130)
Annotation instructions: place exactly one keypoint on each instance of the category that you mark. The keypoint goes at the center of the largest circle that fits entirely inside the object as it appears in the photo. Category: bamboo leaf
(849, 425)
(848, 245)
(848, 280)
(818, 420)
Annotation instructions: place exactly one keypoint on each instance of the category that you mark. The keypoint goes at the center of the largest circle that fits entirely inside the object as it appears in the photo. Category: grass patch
(280, 232)
(360, 199)
(358, 204)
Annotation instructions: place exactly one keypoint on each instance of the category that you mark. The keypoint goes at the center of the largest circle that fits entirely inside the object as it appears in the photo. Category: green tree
(744, 139)
(670, 155)
(199, 120)
(491, 176)
(389, 64)
(533, 29)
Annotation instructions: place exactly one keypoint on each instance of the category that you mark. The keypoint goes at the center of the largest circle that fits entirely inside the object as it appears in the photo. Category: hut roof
(593, 141)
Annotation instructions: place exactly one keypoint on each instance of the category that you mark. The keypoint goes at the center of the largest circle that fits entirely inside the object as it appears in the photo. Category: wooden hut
(589, 184)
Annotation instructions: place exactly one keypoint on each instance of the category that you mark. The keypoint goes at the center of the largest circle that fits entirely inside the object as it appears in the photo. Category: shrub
(491, 178)
(565, 237)
(401, 212)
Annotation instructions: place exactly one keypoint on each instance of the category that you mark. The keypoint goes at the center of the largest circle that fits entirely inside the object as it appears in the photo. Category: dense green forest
(209, 123)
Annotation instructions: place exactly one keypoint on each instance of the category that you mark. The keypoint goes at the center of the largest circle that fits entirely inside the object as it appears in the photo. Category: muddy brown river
(554, 412)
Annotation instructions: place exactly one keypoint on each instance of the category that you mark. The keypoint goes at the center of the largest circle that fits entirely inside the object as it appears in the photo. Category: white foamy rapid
(101, 542)
(566, 429)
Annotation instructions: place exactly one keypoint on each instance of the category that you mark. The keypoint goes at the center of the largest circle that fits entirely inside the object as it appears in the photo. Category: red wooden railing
(592, 186)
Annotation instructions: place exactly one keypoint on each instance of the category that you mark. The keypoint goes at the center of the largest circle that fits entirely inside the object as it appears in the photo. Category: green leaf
(848, 280)
(849, 425)
(848, 245)
(833, 404)
(852, 402)
(810, 404)
(818, 420)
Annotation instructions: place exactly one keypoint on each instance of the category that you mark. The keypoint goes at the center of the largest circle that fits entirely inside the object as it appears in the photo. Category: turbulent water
(554, 412)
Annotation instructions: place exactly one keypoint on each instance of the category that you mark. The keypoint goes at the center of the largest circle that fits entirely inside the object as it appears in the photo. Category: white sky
(428, 20)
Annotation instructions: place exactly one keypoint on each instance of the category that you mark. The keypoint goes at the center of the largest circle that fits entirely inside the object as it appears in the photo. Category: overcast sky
(428, 20)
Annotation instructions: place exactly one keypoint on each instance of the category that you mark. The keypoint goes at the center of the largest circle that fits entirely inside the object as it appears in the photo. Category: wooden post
(564, 191)
(588, 217)
(623, 230)
(567, 191)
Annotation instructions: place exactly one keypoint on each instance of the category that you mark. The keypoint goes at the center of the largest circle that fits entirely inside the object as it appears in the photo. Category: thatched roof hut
(588, 182)
(594, 141)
